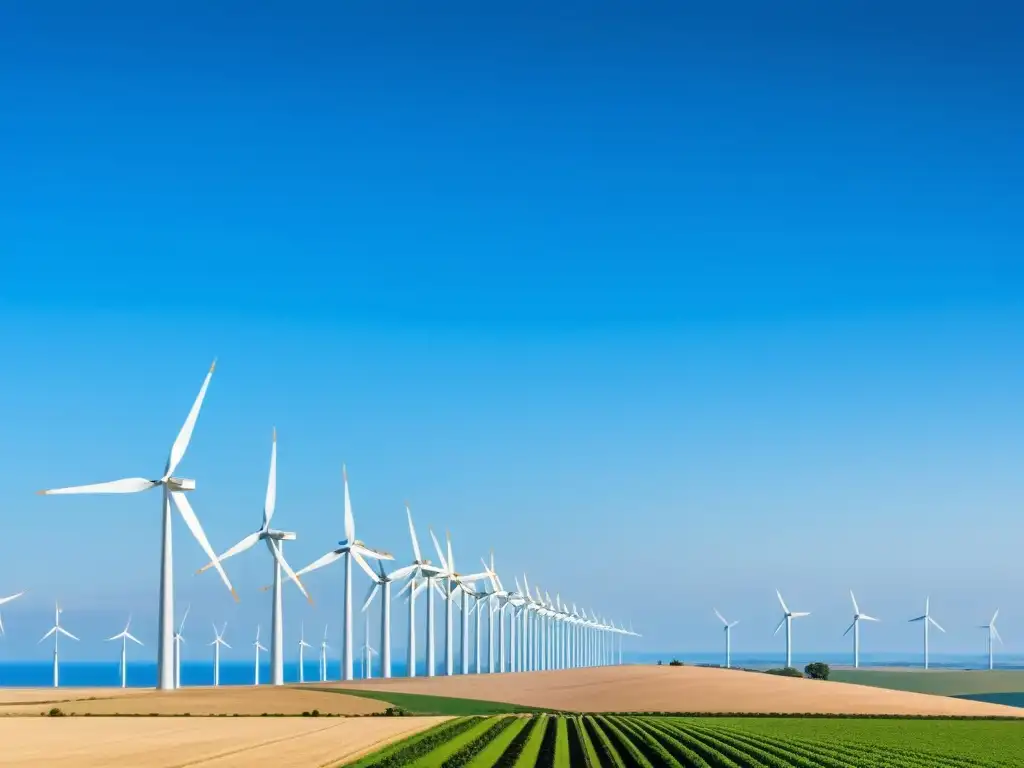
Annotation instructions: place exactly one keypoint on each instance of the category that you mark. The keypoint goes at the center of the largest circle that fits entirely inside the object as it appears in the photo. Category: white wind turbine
(302, 647)
(787, 620)
(858, 617)
(124, 636)
(993, 634)
(500, 596)
(218, 641)
(454, 582)
(728, 639)
(349, 545)
(258, 647)
(927, 619)
(324, 647)
(174, 489)
(56, 630)
(275, 541)
(179, 638)
(368, 652)
(382, 583)
(422, 575)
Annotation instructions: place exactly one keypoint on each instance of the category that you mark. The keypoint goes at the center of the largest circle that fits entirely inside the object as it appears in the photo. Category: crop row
(641, 741)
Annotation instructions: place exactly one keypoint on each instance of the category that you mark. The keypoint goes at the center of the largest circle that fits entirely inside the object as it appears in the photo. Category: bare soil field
(233, 700)
(683, 689)
(43, 695)
(200, 742)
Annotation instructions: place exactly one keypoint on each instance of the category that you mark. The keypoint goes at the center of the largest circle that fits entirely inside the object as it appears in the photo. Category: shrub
(676, 663)
(659, 662)
(395, 712)
(817, 670)
(785, 672)
(315, 713)
(56, 712)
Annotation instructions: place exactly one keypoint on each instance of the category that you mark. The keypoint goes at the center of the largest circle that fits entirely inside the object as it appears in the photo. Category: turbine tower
(787, 619)
(173, 489)
(179, 638)
(346, 548)
(993, 634)
(275, 541)
(927, 619)
(56, 630)
(858, 617)
(218, 641)
(124, 636)
(302, 646)
(324, 647)
(454, 582)
(367, 652)
(258, 647)
(728, 639)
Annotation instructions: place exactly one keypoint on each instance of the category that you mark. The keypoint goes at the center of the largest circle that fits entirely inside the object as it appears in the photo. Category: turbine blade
(115, 637)
(237, 549)
(848, 629)
(377, 554)
(437, 546)
(782, 602)
(181, 627)
(721, 618)
(995, 633)
(451, 557)
(271, 499)
(856, 609)
(800, 614)
(781, 624)
(936, 624)
(401, 573)
(189, 515)
(350, 522)
(327, 559)
(12, 597)
(127, 485)
(66, 633)
(412, 535)
(132, 638)
(865, 617)
(275, 549)
(994, 616)
(366, 568)
(52, 630)
(370, 595)
(919, 618)
(185, 435)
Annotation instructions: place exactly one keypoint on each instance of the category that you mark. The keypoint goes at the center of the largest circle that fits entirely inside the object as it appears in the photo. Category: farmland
(997, 686)
(660, 741)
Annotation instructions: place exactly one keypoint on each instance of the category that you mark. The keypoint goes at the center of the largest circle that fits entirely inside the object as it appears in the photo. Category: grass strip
(489, 756)
(531, 749)
(420, 704)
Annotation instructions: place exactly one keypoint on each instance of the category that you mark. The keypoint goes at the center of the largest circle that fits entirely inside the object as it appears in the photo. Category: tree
(675, 663)
(817, 670)
(785, 672)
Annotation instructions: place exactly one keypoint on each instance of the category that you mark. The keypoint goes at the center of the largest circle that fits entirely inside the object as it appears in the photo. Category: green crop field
(995, 686)
(662, 741)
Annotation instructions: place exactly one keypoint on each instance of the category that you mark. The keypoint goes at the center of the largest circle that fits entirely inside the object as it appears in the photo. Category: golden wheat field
(176, 742)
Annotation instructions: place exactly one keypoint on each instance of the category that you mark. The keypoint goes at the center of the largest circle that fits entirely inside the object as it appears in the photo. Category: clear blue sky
(669, 306)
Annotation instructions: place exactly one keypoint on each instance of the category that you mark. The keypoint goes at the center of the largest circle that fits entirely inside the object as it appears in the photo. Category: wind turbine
(502, 597)
(787, 619)
(858, 617)
(173, 489)
(324, 647)
(275, 541)
(258, 647)
(927, 619)
(179, 638)
(56, 630)
(368, 652)
(302, 646)
(347, 546)
(728, 638)
(124, 636)
(455, 581)
(382, 583)
(423, 575)
(993, 634)
(218, 641)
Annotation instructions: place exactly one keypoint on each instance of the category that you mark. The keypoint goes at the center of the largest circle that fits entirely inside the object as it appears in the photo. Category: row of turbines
(926, 619)
(534, 631)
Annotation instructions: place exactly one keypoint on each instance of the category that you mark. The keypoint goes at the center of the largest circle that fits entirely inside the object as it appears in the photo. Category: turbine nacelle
(180, 484)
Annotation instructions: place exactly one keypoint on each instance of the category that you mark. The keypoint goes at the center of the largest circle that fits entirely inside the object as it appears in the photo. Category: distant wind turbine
(218, 641)
(858, 617)
(728, 639)
(993, 634)
(368, 652)
(56, 630)
(258, 647)
(124, 636)
(324, 647)
(787, 620)
(302, 646)
(179, 638)
(927, 619)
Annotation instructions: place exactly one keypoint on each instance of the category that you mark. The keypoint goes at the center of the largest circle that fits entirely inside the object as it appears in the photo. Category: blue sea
(142, 674)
